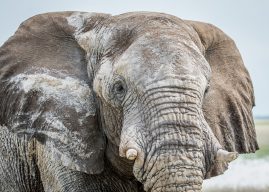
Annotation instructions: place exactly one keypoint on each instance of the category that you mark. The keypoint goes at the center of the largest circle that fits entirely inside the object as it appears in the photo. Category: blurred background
(246, 21)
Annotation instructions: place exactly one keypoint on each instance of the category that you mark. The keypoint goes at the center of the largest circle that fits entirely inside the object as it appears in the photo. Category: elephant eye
(206, 90)
(119, 90)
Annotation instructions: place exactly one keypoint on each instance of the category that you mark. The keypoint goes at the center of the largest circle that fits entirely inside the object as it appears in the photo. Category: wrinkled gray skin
(135, 102)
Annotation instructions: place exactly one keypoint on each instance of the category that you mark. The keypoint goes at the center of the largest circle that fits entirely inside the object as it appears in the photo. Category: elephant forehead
(68, 91)
(149, 60)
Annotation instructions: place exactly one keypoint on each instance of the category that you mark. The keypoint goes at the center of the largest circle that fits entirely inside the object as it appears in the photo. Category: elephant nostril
(131, 154)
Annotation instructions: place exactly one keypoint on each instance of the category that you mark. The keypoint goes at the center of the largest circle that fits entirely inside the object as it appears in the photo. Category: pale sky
(246, 21)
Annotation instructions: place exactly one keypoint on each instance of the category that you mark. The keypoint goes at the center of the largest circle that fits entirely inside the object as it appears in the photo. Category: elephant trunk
(175, 160)
(173, 151)
(177, 176)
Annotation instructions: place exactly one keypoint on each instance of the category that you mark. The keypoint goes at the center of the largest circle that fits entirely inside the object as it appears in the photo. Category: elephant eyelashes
(206, 90)
(119, 90)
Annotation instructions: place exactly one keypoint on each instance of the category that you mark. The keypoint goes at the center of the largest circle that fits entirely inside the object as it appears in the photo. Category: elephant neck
(120, 165)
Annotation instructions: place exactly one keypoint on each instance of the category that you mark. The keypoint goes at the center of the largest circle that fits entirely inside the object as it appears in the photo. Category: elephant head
(158, 98)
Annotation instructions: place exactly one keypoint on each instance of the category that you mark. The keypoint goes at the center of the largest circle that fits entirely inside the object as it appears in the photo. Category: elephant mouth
(120, 165)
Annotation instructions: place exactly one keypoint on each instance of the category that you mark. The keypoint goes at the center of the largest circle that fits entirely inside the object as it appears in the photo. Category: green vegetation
(262, 129)
(261, 153)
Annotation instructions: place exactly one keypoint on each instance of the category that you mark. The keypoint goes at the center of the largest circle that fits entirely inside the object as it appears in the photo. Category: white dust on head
(88, 40)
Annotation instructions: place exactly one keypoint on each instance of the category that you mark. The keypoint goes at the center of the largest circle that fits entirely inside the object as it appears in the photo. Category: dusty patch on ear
(78, 20)
(85, 25)
(68, 91)
(60, 113)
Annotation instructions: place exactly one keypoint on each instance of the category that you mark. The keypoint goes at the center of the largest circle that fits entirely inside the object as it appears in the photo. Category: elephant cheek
(111, 121)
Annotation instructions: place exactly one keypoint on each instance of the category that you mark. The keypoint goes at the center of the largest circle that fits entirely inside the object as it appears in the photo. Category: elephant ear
(229, 101)
(46, 95)
(228, 104)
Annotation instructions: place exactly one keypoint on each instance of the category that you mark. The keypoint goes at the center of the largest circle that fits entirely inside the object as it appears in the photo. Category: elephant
(140, 101)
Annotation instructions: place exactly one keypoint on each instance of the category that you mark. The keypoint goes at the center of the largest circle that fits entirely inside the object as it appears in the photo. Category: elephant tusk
(225, 156)
(131, 154)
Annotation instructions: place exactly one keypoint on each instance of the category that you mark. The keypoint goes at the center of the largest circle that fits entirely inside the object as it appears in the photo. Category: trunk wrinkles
(174, 148)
